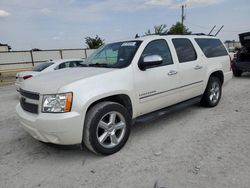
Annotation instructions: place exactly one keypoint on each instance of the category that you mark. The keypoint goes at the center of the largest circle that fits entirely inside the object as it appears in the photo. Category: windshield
(114, 55)
(42, 66)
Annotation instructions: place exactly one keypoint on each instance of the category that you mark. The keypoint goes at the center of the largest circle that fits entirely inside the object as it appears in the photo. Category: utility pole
(182, 16)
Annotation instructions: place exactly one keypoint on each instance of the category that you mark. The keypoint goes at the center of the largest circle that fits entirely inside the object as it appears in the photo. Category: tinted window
(184, 49)
(42, 66)
(75, 63)
(211, 47)
(64, 65)
(158, 47)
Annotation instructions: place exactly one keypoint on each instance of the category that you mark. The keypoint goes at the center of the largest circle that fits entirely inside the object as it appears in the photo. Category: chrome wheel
(214, 94)
(111, 129)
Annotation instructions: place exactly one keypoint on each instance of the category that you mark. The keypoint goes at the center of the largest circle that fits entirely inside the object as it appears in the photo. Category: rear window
(42, 66)
(184, 49)
(211, 47)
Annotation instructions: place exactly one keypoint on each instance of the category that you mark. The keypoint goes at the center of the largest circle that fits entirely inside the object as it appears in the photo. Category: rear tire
(237, 73)
(106, 128)
(212, 94)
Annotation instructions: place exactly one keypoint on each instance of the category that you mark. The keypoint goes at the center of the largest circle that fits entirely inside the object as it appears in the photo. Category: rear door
(191, 68)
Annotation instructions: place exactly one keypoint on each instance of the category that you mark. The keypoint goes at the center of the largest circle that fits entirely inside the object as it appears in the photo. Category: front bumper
(56, 128)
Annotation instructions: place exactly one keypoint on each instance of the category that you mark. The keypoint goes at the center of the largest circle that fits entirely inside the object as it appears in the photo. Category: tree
(94, 43)
(179, 29)
(158, 29)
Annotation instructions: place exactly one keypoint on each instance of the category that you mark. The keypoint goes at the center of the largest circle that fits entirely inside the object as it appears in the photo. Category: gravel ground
(192, 147)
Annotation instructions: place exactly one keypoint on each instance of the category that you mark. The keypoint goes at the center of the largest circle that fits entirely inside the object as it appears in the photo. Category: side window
(73, 64)
(211, 47)
(184, 49)
(64, 65)
(158, 47)
(78, 63)
(61, 66)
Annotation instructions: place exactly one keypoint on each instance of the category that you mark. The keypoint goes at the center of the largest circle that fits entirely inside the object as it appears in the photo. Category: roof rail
(165, 34)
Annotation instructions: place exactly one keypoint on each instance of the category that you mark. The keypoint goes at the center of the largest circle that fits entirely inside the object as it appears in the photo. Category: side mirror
(150, 61)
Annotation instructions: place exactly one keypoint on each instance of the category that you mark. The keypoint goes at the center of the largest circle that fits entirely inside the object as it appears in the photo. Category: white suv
(95, 105)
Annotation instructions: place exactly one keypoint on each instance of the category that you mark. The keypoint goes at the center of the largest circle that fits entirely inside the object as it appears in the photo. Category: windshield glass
(42, 66)
(114, 55)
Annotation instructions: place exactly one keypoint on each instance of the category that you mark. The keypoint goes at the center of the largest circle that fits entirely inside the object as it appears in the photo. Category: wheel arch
(122, 99)
(219, 74)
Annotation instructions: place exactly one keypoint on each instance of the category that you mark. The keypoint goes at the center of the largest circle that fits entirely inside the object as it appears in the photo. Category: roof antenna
(219, 31)
(212, 30)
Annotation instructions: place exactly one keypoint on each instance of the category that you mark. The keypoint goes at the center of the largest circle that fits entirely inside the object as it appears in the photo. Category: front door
(157, 86)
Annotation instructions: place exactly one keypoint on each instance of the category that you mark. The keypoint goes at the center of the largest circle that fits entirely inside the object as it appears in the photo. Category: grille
(32, 108)
(30, 95)
(28, 105)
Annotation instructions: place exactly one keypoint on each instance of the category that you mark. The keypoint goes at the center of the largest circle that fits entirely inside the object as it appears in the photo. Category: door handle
(197, 67)
(172, 72)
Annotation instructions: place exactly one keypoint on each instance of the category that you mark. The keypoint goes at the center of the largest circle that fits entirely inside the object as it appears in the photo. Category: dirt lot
(193, 147)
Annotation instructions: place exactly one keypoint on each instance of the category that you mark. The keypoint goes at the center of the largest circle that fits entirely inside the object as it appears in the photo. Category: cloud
(4, 13)
(159, 2)
(56, 38)
(201, 3)
(46, 11)
(177, 4)
(59, 36)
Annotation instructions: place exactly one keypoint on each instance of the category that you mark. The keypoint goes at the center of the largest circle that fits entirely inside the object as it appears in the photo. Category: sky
(55, 24)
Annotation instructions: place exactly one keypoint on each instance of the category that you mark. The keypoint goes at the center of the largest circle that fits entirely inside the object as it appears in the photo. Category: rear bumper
(242, 66)
(61, 128)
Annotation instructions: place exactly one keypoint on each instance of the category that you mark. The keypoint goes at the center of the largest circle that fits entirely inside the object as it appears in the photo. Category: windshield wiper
(98, 65)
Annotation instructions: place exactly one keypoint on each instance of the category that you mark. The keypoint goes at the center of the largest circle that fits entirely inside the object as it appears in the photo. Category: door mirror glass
(150, 61)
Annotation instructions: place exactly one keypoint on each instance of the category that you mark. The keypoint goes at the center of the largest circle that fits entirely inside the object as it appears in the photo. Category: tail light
(27, 76)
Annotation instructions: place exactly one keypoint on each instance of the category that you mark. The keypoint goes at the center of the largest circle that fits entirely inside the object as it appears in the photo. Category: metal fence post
(85, 50)
(32, 58)
(61, 54)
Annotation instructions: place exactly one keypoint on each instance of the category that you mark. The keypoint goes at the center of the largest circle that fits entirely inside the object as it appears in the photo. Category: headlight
(57, 103)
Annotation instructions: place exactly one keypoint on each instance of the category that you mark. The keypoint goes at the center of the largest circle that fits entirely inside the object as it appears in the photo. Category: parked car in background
(45, 68)
(241, 63)
(120, 82)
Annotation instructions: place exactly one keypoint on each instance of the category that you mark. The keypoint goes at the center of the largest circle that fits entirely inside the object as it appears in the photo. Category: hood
(25, 73)
(51, 82)
(245, 39)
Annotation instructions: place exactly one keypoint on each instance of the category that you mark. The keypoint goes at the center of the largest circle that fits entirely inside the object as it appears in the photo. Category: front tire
(212, 94)
(106, 128)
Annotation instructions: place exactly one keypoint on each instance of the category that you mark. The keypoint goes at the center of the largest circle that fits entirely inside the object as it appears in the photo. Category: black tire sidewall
(93, 126)
(237, 73)
(206, 96)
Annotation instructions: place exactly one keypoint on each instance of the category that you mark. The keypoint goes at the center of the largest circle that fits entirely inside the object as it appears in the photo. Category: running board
(167, 110)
